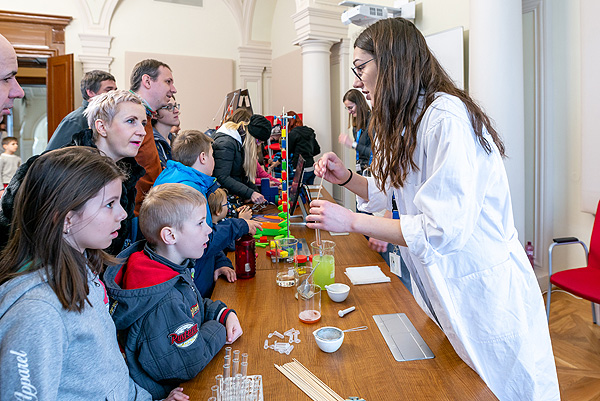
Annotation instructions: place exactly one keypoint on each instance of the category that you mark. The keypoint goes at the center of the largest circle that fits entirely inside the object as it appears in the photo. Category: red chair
(585, 281)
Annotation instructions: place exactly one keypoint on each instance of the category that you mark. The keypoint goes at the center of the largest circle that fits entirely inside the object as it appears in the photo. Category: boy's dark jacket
(84, 138)
(168, 331)
(222, 235)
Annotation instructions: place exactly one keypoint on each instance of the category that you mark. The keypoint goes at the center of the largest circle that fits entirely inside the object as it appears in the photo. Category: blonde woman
(235, 155)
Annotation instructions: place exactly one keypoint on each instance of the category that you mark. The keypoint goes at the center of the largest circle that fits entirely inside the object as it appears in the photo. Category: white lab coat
(457, 220)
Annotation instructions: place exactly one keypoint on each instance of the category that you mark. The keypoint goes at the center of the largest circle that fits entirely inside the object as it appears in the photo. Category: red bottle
(245, 257)
(529, 252)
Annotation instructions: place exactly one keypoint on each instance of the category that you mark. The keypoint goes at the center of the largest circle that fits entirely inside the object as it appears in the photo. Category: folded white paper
(366, 275)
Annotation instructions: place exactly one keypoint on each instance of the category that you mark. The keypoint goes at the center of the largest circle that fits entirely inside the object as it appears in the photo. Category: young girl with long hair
(437, 152)
(57, 339)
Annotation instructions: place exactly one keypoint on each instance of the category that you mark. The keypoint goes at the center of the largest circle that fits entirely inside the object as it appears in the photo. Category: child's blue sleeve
(222, 260)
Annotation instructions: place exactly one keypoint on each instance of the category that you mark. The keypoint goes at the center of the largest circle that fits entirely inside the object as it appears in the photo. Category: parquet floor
(576, 344)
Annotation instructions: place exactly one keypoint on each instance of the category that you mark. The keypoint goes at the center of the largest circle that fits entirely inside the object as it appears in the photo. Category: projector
(365, 14)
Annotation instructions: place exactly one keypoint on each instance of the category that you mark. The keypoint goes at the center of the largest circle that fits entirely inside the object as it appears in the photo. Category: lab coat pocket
(489, 304)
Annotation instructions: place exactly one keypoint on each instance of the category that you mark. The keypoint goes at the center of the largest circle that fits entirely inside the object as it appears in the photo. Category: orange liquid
(309, 316)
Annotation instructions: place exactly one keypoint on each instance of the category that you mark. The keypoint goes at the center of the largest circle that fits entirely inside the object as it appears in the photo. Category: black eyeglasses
(171, 106)
(358, 70)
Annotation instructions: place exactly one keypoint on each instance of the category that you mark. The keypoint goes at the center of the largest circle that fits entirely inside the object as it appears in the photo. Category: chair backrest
(594, 255)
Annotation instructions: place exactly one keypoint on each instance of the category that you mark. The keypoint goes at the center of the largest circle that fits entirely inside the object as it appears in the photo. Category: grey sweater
(49, 353)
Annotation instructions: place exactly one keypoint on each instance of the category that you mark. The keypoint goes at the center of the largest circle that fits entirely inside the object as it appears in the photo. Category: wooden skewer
(306, 381)
(319, 381)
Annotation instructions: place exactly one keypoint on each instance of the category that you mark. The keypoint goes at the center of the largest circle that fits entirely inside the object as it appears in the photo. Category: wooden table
(364, 365)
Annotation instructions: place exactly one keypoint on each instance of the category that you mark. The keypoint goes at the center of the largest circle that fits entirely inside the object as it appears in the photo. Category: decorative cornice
(320, 24)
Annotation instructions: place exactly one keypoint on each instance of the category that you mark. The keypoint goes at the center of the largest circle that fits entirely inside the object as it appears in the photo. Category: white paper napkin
(366, 275)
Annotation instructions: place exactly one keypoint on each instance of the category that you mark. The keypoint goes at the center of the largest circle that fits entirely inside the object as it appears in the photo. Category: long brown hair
(362, 109)
(406, 70)
(57, 182)
(294, 122)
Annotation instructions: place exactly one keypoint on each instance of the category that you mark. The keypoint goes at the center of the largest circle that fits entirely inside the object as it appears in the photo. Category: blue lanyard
(357, 140)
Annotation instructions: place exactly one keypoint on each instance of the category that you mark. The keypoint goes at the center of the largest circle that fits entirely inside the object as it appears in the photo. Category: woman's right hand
(345, 140)
(331, 168)
(257, 198)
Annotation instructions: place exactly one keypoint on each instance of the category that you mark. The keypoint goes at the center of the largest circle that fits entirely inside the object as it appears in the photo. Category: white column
(496, 82)
(95, 50)
(316, 94)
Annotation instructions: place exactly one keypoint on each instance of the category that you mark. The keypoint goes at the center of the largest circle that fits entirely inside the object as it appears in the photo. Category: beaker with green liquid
(323, 262)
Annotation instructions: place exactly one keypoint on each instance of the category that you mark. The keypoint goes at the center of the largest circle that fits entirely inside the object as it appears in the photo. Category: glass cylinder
(286, 250)
(323, 262)
(309, 303)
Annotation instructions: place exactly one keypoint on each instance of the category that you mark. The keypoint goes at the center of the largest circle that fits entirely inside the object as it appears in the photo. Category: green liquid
(325, 272)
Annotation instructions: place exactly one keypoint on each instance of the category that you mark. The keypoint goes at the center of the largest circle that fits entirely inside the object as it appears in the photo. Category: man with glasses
(153, 81)
(93, 83)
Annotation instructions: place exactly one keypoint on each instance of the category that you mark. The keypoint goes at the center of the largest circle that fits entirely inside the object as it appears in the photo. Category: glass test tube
(215, 391)
(244, 357)
(219, 380)
(226, 371)
(235, 367)
(227, 351)
(236, 354)
(244, 369)
(212, 399)
(238, 387)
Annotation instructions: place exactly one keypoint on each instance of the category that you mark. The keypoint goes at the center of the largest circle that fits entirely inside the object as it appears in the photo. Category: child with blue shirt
(168, 331)
(192, 165)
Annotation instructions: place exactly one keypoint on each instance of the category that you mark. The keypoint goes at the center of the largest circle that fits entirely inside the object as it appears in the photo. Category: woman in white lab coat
(436, 151)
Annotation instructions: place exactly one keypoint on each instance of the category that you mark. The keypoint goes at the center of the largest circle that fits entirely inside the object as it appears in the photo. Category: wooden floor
(576, 344)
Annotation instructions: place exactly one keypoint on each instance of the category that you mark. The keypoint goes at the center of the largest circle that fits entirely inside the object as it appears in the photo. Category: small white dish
(329, 339)
(337, 292)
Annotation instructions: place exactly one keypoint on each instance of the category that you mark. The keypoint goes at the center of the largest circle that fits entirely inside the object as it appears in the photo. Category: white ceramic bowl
(337, 292)
(328, 338)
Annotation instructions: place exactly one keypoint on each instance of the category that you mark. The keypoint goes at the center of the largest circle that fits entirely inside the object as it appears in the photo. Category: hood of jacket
(229, 132)
(129, 305)
(305, 133)
(181, 174)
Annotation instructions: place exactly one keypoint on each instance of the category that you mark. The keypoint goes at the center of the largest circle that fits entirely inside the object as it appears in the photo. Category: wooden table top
(364, 365)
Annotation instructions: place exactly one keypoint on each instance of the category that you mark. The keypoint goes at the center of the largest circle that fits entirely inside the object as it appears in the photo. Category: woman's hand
(257, 198)
(377, 245)
(177, 395)
(331, 168)
(234, 330)
(325, 215)
(345, 140)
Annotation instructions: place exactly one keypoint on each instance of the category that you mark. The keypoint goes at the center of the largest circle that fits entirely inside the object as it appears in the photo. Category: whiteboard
(447, 47)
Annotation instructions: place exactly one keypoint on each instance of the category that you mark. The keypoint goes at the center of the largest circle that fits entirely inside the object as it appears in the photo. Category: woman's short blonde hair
(106, 105)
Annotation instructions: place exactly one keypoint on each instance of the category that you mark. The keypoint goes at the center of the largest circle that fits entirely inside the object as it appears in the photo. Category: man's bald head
(9, 87)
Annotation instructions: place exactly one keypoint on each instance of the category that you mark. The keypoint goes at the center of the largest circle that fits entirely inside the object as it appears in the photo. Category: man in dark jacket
(93, 83)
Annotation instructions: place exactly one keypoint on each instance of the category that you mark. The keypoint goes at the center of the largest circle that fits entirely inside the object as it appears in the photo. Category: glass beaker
(309, 303)
(323, 262)
(303, 270)
(286, 250)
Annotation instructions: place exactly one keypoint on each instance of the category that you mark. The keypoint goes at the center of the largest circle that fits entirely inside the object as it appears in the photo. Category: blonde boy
(168, 331)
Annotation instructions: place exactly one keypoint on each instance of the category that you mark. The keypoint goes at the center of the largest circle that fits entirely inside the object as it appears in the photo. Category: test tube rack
(235, 384)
